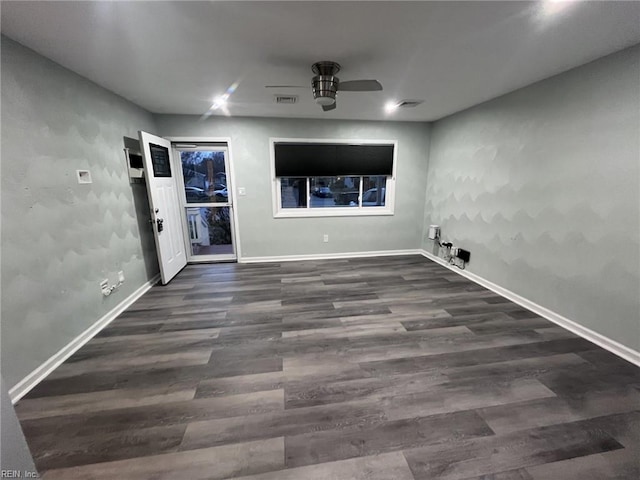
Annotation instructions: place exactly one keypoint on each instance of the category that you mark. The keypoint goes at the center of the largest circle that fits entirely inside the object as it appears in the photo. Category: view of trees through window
(209, 229)
(205, 176)
(205, 183)
(323, 192)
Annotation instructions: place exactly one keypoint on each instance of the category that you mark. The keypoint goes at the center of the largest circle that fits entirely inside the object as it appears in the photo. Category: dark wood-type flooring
(389, 368)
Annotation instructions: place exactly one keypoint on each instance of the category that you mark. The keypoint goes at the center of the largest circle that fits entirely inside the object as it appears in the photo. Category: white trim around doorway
(234, 190)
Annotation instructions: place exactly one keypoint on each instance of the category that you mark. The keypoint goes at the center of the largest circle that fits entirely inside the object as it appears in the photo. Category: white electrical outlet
(242, 191)
(120, 276)
(325, 238)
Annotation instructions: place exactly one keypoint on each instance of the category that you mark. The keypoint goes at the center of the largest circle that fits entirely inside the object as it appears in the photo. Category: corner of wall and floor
(61, 238)
(543, 187)
(521, 181)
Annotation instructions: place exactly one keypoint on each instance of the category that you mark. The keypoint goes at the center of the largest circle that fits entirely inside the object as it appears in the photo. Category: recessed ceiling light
(554, 7)
(391, 106)
(220, 102)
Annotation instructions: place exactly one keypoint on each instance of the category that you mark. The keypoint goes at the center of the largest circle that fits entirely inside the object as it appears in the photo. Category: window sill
(333, 212)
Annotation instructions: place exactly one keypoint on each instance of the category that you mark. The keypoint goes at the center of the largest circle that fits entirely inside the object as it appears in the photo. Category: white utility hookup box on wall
(84, 176)
(134, 164)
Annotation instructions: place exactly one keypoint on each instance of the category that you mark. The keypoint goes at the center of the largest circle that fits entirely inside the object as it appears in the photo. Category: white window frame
(359, 211)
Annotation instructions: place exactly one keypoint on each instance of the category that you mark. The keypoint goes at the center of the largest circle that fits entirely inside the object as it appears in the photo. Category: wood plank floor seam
(390, 368)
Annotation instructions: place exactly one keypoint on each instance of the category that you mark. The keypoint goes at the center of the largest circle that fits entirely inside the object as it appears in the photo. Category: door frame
(234, 189)
(178, 148)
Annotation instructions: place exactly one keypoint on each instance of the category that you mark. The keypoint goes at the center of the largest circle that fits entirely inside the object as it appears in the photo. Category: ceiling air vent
(409, 103)
(286, 99)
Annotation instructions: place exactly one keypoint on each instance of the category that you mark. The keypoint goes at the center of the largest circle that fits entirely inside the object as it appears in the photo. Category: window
(332, 178)
(294, 192)
(375, 190)
(334, 191)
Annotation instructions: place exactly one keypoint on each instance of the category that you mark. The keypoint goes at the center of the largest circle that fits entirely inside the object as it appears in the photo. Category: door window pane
(205, 176)
(210, 230)
(160, 160)
(374, 191)
(334, 191)
(293, 192)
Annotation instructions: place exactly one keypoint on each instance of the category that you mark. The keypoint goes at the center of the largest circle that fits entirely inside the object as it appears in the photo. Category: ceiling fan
(325, 84)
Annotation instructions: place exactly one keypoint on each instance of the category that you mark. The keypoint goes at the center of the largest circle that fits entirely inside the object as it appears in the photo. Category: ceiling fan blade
(286, 86)
(360, 86)
(326, 108)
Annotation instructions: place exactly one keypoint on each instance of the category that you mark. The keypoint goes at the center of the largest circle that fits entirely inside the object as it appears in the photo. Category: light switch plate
(242, 191)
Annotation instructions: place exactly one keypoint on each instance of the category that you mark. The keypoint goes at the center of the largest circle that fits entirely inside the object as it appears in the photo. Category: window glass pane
(293, 192)
(209, 230)
(160, 160)
(374, 191)
(334, 191)
(205, 178)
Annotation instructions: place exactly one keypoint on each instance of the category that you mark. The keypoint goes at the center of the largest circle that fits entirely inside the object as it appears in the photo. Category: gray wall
(14, 452)
(59, 238)
(262, 235)
(542, 186)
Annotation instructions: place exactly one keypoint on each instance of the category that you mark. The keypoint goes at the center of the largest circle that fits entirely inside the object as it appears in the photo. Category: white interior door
(164, 203)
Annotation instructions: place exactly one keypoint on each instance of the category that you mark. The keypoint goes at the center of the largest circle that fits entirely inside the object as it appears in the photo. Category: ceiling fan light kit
(325, 85)
(326, 100)
(324, 89)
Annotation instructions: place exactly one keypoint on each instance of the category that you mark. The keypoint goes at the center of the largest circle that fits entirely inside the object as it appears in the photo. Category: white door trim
(184, 206)
(234, 190)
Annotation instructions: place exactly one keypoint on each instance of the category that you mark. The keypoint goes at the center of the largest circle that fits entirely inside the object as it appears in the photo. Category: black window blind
(330, 160)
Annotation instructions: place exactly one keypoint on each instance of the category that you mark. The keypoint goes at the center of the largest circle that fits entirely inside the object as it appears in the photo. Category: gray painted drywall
(542, 186)
(262, 235)
(59, 238)
(14, 452)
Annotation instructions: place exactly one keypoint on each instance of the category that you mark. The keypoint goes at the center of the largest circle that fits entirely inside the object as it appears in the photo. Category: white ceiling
(176, 57)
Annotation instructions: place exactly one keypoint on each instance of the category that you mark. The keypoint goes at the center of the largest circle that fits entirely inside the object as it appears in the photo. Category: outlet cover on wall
(325, 238)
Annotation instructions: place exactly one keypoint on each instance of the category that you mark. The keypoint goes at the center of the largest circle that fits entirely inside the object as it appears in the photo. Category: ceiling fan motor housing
(324, 89)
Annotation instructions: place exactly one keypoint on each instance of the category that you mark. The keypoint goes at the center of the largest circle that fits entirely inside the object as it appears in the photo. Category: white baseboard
(614, 347)
(328, 256)
(34, 378)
